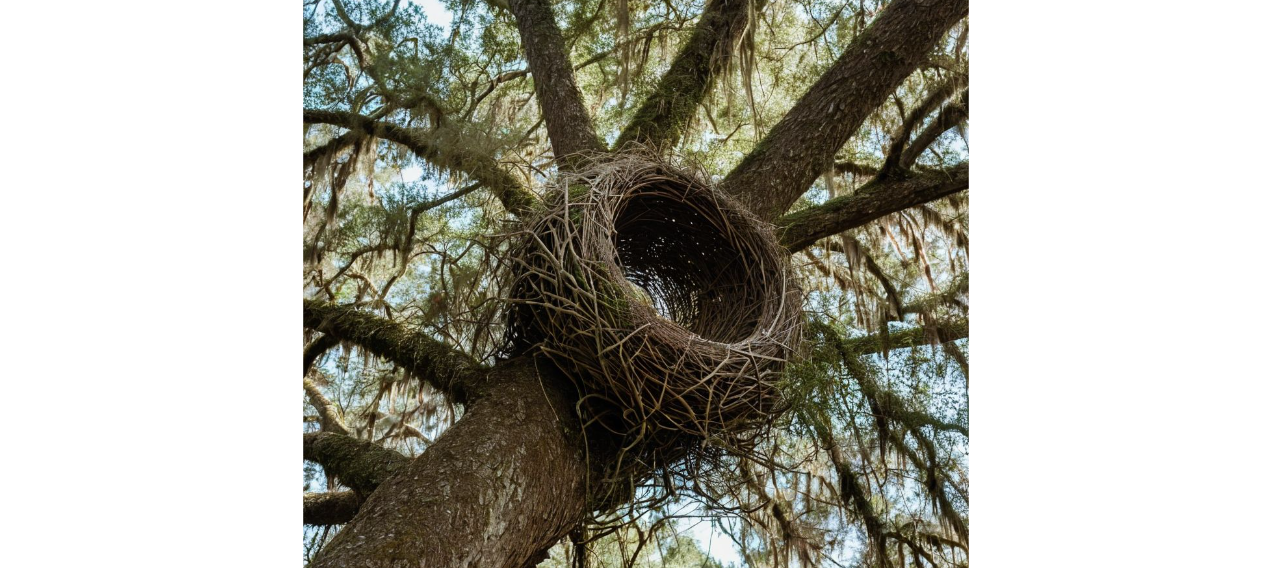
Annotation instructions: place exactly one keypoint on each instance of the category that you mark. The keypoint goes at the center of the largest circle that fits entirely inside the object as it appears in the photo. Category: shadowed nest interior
(672, 308)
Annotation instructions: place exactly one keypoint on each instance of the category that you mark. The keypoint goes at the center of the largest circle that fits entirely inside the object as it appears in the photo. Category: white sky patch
(713, 542)
(412, 173)
(437, 14)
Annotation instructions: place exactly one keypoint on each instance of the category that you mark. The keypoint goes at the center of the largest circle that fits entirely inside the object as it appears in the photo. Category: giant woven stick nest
(672, 308)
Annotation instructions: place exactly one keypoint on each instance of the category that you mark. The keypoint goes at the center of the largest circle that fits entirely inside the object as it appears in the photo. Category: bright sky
(412, 173)
(714, 543)
(437, 13)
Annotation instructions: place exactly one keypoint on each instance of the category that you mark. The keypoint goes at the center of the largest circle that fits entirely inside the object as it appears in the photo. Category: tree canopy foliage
(843, 124)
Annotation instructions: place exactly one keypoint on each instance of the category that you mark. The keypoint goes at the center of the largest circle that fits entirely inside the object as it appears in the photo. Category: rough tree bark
(497, 489)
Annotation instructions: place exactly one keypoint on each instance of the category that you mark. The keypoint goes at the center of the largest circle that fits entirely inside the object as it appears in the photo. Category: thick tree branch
(335, 508)
(359, 464)
(443, 147)
(892, 162)
(569, 125)
(663, 117)
(334, 43)
(329, 38)
(803, 144)
(450, 371)
(498, 488)
(875, 199)
(339, 37)
(950, 116)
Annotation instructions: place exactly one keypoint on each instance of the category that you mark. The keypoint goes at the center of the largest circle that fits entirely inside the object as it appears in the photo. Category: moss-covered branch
(894, 408)
(803, 144)
(444, 148)
(448, 370)
(329, 149)
(359, 464)
(801, 229)
(569, 124)
(359, 27)
(851, 167)
(661, 120)
(335, 508)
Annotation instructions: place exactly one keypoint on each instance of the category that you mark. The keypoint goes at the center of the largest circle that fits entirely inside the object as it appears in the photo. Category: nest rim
(717, 351)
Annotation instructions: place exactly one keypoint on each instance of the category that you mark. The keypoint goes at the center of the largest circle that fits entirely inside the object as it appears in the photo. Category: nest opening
(677, 253)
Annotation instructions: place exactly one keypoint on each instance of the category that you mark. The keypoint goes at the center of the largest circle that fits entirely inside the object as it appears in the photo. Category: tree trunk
(497, 489)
